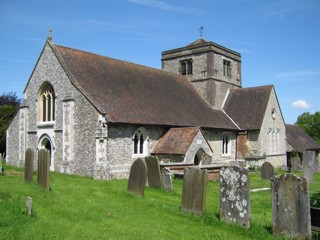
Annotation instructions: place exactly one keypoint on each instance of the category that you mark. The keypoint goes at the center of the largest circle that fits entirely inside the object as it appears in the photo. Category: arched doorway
(45, 143)
(201, 158)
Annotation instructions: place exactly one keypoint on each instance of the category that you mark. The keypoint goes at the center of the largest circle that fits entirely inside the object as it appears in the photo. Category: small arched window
(140, 142)
(46, 102)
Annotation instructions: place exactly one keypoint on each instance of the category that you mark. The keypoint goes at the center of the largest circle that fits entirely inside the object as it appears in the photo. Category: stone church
(96, 114)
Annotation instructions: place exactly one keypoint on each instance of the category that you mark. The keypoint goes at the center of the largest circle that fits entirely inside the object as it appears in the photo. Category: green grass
(82, 208)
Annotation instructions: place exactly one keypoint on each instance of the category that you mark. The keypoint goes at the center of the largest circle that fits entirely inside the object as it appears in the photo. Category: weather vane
(49, 34)
(201, 31)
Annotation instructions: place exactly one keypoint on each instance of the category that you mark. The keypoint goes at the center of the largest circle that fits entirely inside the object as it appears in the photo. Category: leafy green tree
(310, 123)
(9, 104)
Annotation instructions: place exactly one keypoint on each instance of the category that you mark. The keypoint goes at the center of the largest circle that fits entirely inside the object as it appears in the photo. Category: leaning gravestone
(290, 206)
(267, 170)
(167, 179)
(235, 195)
(154, 175)
(28, 166)
(43, 168)
(137, 177)
(194, 190)
(309, 164)
(295, 163)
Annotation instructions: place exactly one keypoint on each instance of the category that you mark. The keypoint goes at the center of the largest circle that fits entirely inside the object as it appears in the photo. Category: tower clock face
(273, 113)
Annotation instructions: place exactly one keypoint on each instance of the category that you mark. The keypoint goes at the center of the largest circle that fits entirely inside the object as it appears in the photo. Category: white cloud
(162, 5)
(300, 104)
(301, 73)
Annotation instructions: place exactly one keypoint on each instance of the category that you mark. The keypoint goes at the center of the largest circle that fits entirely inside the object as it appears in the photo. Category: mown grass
(82, 208)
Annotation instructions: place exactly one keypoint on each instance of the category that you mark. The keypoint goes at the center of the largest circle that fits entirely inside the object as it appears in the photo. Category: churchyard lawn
(82, 208)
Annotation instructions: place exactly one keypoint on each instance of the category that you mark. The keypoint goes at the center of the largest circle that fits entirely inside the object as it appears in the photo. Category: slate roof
(176, 141)
(299, 139)
(247, 106)
(131, 93)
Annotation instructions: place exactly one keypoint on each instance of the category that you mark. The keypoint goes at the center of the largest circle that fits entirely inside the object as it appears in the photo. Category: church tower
(213, 69)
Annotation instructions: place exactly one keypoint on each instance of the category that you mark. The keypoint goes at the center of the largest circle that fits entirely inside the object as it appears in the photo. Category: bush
(315, 200)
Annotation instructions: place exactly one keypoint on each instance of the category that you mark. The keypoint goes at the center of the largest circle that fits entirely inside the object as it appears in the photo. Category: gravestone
(28, 166)
(290, 206)
(295, 164)
(137, 177)
(234, 163)
(267, 170)
(309, 164)
(1, 172)
(167, 179)
(43, 168)
(29, 206)
(154, 175)
(235, 195)
(194, 190)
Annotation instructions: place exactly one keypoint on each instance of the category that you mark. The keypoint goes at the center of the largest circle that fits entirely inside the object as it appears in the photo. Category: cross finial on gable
(201, 30)
(49, 34)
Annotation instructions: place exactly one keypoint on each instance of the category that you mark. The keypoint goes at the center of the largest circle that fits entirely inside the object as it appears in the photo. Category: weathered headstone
(295, 163)
(234, 163)
(194, 190)
(267, 170)
(137, 177)
(28, 166)
(154, 175)
(1, 164)
(29, 206)
(167, 179)
(43, 168)
(309, 164)
(290, 206)
(235, 195)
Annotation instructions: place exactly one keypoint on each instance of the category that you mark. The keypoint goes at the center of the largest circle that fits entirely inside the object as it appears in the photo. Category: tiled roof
(299, 139)
(131, 93)
(176, 141)
(247, 106)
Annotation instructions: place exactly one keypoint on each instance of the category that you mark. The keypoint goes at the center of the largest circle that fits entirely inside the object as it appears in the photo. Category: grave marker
(309, 164)
(194, 190)
(154, 175)
(137, 177)
(235, 195)
(167, 179)
(43, 168)
(295, 164)
(267, 170)
(29, 206)
(28, 166)
(290, 206)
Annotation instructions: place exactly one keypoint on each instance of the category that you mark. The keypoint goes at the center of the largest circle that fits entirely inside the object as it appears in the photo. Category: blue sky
(279, 40)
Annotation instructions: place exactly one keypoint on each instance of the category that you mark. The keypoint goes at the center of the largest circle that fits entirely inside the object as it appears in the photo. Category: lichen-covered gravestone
(167, 179)
(43, 168)
(290, 206)
(154, 175)
(295, 164)
(309, 164)
(267, 170)
(194, 190)
(137, 177)
(235, 195)
(28, 166)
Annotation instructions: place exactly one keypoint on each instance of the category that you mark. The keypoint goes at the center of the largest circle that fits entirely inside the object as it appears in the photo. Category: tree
(310, 123)
(9, 104)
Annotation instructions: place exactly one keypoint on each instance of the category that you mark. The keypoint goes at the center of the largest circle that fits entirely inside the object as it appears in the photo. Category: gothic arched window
(140, 142)
(46, 103)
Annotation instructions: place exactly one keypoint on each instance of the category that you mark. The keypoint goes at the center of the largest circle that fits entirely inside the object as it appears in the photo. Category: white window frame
(226, 144)
(140, 149)
(46, 104)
